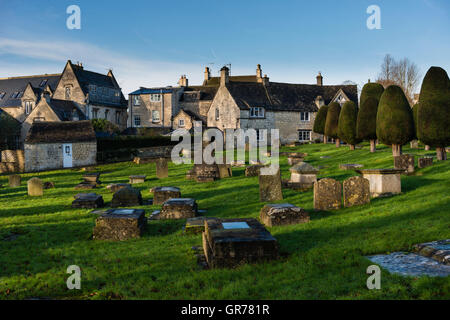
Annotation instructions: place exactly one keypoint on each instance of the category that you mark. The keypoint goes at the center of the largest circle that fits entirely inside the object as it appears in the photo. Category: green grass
(323, 259)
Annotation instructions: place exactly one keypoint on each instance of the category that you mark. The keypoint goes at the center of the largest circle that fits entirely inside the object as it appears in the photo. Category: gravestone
(88, 201)
(206, 172)
(162, 168)
(190, 175)
(120, 224)
(282, 214)
(137, 179)
(225, 171)
(35, 187)
(233, 242)
(117, 186)
(253, 170)
(414, 144)
(404, 162)
(425, 162)
(196, 225)
(126, 197)
(270, 187)
(295, 158)
(14, 180)
(327, 194)
(383, 182)
(356, 191)
(90, 181)
(350, 166)
(303, 176)
(177, 208)
(162, 194)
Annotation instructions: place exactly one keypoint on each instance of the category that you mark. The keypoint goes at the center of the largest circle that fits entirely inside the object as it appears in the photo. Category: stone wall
(229, 112)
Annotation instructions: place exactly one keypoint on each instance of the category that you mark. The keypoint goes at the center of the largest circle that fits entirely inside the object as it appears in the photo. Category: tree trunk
(373, 146)
(396, 150)
(441, 154)
(325, 139)
(427, 148)
(352, 147)
(338, 143)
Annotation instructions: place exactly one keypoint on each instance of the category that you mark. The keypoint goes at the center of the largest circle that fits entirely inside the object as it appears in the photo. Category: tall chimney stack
(207, 74)
(258, 71)
(319, 79)
(224, 76)
(183, 82)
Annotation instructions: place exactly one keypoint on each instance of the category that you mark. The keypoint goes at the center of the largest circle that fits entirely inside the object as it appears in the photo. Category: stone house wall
(144, 110)
(42, 110)
(229, 112)
(12, 161)
(187, 121)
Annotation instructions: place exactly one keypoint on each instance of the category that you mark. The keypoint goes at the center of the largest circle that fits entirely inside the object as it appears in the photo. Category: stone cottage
(57, 145)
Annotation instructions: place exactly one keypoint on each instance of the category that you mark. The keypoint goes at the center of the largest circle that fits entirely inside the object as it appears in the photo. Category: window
(67, 93)
(155, 97)
(136, 100)
(181, 123)
(304, 116)
(260, 133)
(43, 83)
(28, 107)
(20, 95)
(217, 114)
(106, 114)
(340, 99)
(94, 113)
(117, 117)
(304, 135)
(14, 95)
(38, 119)
(257, 112)
(137, 121)
(155, 116)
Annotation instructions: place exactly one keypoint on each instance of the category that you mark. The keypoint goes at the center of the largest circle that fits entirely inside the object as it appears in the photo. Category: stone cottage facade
(57, 145)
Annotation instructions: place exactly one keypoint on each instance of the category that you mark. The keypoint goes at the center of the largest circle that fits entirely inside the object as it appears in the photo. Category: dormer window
(256, 112)
(14, 95)
(43, 83)
(155, 97)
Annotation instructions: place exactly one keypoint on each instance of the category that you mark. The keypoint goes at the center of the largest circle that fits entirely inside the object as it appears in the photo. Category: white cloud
(130, 73)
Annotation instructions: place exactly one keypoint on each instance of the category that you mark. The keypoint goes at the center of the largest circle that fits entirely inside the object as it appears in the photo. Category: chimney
(265, 80)
(319, 79)
(224, 76)
(258, 71)
(319, 101)
(183, 82)
(207, 74)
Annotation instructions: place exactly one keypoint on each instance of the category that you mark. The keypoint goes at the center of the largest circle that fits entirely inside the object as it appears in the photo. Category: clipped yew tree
(395, 124)
(415, 110)
(366, 123)
(332, 122)
(433, 115)
(319, 122)
(347, 124)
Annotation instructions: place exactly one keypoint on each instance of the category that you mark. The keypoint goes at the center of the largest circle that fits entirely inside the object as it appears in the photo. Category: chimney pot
(319, 79)
(224, 76)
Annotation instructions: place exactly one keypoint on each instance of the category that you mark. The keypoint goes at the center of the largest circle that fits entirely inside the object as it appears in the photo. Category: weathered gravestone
(14, 180)
(253, 170)
(225, 171)
(126, 197)
(35, 187)
(162, 168)
(327, 194)
(117, 186)
(120, 224)
(383, 182)
(270, 187)
(356, 191)
(282, 214)
(206, 172)
(177, 208)
(404, 162)
(88, 201)
(425, 162)
(232, 242)
(137, 179)
(162, 194)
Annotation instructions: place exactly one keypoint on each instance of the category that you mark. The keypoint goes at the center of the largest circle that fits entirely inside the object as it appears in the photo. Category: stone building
(57, 145)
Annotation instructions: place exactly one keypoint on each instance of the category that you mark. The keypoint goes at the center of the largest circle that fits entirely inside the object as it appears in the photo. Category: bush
(366, 123)
(102, 125)
(395, 124)
(321, 118)
(132, 142)
(347, 123)
(433, 115)
(371, 89)
(331, 124)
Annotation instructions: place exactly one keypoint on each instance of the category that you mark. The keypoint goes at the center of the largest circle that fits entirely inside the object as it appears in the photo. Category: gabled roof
(19, 84)
(248, 94)
(61, 132)
(199, 93)
(64, 109)
(190, 114)
(215, 81)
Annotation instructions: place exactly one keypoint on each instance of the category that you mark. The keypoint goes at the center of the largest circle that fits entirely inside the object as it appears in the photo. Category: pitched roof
(60, 132)
(9, 86)
(215, 81)
(64, 109)
(191, 114)
(199, 93)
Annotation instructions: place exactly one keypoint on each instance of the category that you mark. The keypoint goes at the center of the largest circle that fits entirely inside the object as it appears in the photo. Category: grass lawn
(323, 259)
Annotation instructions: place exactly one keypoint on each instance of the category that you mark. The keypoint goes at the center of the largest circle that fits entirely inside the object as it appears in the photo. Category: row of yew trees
(386, 115)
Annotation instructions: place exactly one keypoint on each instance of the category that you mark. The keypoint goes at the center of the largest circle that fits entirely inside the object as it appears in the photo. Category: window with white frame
(137, 120)
(304, 135)
(137, 100)
(155, 116)
(260, 134)
(28, 107)
(256, 112)
(304, 116)
(181, 123)
(155, 97)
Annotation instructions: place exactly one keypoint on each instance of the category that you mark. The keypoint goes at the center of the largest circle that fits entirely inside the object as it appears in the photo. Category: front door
(67, 155)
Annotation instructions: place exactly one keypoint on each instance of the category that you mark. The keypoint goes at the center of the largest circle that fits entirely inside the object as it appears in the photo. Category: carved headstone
(270, 187)
(126, 197)
(162, 194)
(327, 194)
(425, 162)
(35, 187)
(404, 162)
(162, 168)
(356, 191)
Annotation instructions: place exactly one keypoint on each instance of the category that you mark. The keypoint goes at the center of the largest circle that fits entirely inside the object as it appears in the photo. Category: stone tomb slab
(327, 194)
(14, 180)
(303, 175)
(350, 166)
(117, 186)
(383, 182)
(127, 197)
(282, 214)
(404, 162)
(178, 208)
(356, 191)
(162, 194)
(35, 187)
(93, 178)
(88, 201)
(120, 224)
(232, 242)
(425, 162)
(270, 187)
(196, 225)
(137, 179)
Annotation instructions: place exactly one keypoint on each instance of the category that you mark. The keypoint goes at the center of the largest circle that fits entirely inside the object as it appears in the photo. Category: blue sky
(151, 43)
